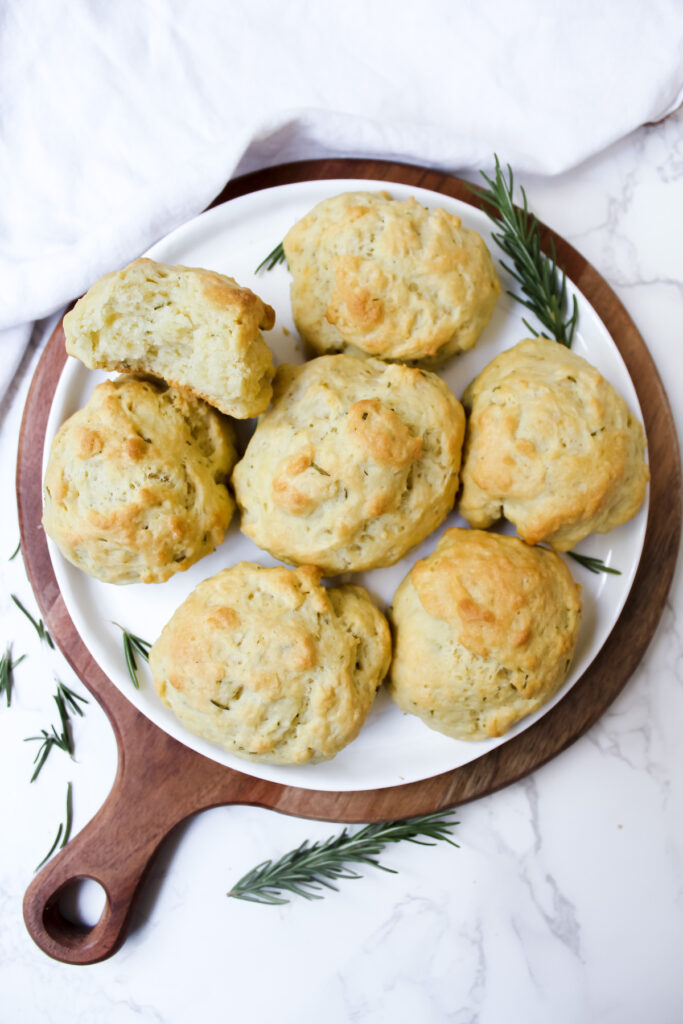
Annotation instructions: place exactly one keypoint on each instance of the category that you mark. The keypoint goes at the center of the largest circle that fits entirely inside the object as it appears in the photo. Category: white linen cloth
(120, 120)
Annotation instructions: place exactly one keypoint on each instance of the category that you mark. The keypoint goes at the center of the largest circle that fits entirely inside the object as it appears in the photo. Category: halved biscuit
(194, 328)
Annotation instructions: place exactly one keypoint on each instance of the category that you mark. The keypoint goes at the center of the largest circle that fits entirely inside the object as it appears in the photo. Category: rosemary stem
(542, 284)
(308, 869)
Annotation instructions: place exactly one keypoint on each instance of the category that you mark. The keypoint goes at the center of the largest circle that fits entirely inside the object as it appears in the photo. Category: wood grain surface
(160, 782)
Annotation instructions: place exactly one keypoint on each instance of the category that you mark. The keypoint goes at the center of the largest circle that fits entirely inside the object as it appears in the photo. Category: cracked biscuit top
(271, 665)
(484, 633)
(355, 462)
(392, 278)
(551, 446)
(136, 484)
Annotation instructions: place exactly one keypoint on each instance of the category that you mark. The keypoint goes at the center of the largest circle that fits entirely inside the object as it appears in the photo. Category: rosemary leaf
(70, 698)
(595, 565)
(15, 552)
(277, 255)
(68, 822)
(64, 830)
(131, 645)
(38, 625)
(65, 699)
(51, 850)
(141, 646)
(543, 285)
(6, 668)
(130, 661)
(47, 741)
(65, 738)
(310, 869)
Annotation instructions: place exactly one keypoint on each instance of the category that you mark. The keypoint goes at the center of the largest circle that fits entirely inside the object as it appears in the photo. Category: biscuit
(194, 328)
(135, 487)
(270, 665)
(484, 633)
(355, 462)
(551, 446)
(389, 277)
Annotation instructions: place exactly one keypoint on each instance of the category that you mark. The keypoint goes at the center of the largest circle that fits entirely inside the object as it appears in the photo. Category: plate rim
(180, 246)
(581, 273)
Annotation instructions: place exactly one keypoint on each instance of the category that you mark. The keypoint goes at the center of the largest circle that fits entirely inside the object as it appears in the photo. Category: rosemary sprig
(539, 277)
(47, 741)
(38, 625)
(15, 552)
(308, 869)
(133, 644)
(595, 565)
(64, 830)
(66, 700)
(277, 255)
(6, 668)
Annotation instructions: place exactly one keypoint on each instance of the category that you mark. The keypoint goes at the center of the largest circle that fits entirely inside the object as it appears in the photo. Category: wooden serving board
(160, 782)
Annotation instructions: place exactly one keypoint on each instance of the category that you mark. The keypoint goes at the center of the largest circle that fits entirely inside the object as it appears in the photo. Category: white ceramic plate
(392, 748)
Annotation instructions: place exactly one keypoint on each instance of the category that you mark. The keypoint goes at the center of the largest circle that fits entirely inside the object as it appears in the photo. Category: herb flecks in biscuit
(551, 446)
(485, 630)
(194, 328)
(391, 278)
(355, 462)
(135, 487)
(271, 665)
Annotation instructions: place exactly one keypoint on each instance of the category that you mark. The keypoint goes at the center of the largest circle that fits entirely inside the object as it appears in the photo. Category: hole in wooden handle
(58, 926)
(62, 931)
(61, 916)
(81, 903)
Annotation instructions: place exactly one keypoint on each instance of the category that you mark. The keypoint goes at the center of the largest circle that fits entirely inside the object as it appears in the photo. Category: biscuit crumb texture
(194, 328)
(484, 633)
(551, 446)
(270, 665)
(391, 278)
(355, 463)
(135, 488)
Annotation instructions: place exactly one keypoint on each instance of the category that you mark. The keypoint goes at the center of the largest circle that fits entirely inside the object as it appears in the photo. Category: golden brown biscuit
(355, 462)
(484, 633)
(194, 328)
(551, 446)
(391, 278)
(135, 487)
(272, 666)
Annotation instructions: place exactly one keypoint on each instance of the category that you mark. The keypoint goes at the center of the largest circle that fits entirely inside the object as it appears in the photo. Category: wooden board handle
(115, 850)
(119, 874)
(159, 783)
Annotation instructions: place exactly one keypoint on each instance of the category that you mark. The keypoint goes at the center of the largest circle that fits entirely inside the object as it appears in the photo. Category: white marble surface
(564, 902)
